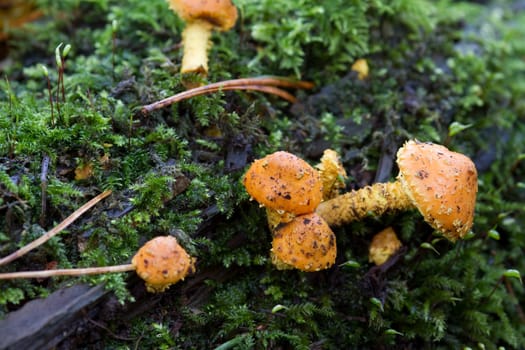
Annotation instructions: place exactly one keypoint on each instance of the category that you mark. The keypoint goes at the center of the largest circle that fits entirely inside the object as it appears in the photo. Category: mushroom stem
(196, 42)
(440, 183)
(356, 205)
(277, 217)
(67, 272)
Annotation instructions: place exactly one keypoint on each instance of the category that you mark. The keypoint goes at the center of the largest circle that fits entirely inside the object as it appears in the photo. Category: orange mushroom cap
(162, 262)
(306, 243)
(442, 184)
(221, 14)
(284, 182)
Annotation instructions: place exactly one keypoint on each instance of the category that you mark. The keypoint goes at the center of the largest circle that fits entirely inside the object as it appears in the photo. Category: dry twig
(55, 230)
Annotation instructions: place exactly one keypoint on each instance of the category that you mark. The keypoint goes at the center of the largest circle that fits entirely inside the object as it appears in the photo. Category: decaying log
(43, 323)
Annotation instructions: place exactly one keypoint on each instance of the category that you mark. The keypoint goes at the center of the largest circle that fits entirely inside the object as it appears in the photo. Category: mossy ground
(447, 72)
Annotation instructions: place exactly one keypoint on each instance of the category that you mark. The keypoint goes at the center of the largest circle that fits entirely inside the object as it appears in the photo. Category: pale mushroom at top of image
(201, 18)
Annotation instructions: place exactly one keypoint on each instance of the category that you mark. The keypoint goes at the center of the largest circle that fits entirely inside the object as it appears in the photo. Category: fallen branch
(265, 84)
(54, 231)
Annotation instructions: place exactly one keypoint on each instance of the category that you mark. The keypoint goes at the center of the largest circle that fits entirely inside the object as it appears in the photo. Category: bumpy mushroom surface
(284, 182)
(162, 262)
(306, 243)
(332, 174)
(201, 18)
(440, 183)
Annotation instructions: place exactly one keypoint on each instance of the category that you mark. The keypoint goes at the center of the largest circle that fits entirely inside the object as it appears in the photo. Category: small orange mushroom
(285, 184)
(306, 243)
(291, 189)
(201, 18)
(161, 262)
(361, 67)
(332, 174)
(383, 246)
(440, 183)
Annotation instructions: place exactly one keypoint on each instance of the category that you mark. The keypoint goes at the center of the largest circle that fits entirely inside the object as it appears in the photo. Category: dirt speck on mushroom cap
(442, 185)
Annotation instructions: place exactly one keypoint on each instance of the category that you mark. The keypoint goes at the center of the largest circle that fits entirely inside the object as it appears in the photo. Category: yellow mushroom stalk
(332, 174)
(356, 205)
(440, 183)
(201, 18)
(196, 41)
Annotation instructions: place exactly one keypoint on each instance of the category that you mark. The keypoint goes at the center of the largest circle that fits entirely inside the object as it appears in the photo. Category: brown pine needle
(67, 272)
(266, 84)
(192, 93)
(55, 230)
(267, 89)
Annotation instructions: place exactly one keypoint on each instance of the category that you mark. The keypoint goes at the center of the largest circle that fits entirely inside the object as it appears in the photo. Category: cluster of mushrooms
(291, 190)
(440, 183)
(303, 202)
